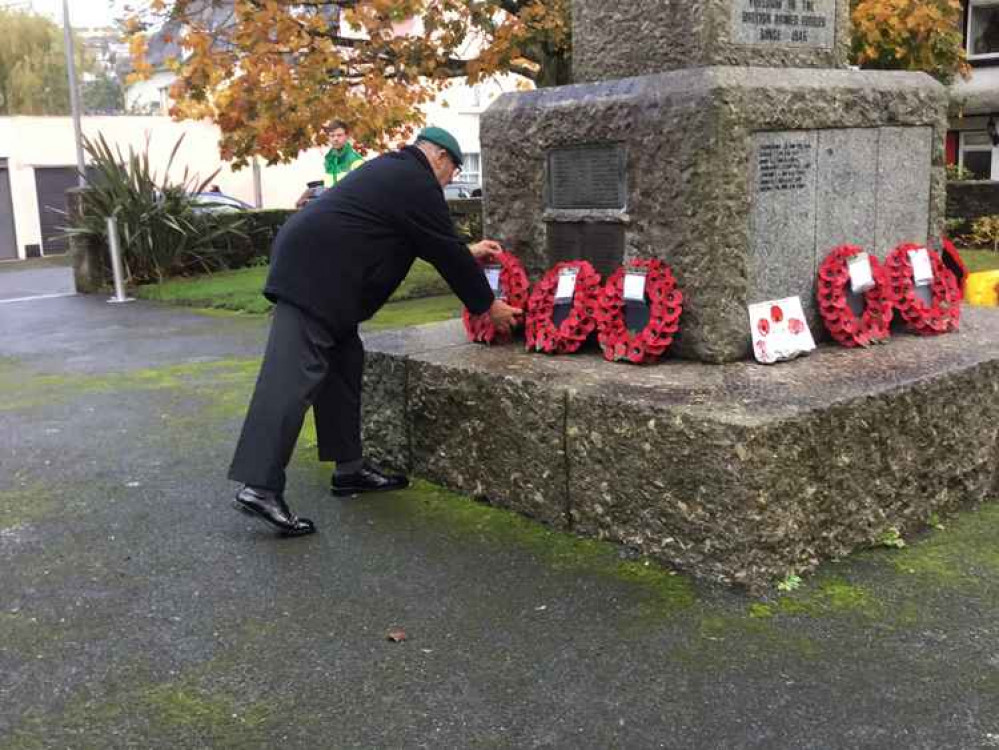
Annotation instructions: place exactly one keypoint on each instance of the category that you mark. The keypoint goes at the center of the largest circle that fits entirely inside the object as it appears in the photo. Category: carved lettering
(784, 22)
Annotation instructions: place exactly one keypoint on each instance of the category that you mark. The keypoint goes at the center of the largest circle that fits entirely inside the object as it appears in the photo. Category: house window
(471, 169)
(983, 29)
(979, 156)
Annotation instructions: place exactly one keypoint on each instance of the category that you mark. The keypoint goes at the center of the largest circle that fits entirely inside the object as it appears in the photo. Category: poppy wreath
(943, 314)
(953, 260)
(542, 334)
(515, 286)
(665, 306)
(871, 327)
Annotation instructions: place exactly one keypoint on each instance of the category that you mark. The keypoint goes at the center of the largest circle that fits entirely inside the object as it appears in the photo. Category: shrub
(985, 233)
(163, 231)
(957, 173)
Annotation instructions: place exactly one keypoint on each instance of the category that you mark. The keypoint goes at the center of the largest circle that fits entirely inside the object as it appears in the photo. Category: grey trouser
(304, 365)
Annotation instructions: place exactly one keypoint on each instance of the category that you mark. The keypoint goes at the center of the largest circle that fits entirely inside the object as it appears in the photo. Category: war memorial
(729, 139)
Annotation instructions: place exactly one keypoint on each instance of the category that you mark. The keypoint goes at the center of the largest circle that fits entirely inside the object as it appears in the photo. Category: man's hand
(504, 316)
(485, 250)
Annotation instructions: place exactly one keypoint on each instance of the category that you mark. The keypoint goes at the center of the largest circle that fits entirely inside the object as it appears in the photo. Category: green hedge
(262, 225)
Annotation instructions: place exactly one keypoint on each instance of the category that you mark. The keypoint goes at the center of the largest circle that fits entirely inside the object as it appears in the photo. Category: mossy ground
(886, 589)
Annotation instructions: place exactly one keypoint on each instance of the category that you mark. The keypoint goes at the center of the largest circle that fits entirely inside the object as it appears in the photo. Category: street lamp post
(74, 97)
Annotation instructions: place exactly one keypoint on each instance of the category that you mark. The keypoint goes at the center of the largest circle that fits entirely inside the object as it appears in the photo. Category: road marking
(37, 296)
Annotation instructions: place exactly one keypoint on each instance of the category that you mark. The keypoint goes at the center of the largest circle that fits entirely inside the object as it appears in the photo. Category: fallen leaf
(396, 635)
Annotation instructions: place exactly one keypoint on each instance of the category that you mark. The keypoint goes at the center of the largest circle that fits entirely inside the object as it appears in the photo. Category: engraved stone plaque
(815, 189)
(591, 176)
(783, 217)
(903, 186)
(601, 244)
(784, 23)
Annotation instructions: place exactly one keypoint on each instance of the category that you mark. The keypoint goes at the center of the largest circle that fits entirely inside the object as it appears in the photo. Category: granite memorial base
(737, 473)
(741, 178)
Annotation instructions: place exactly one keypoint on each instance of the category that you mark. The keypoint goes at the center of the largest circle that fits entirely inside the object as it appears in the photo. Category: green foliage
(791, 582)
(163, 231)
(957, 173)
(985, 233)
(33, 78)
(103, 95)
(891, 537)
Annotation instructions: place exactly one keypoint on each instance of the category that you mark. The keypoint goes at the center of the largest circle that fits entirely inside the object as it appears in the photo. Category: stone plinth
(91, 265)
(742, 179)
(738, 473)
(622, 39)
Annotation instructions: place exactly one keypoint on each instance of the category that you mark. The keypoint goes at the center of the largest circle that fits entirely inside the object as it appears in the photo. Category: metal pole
(258, 192)
(114, 245)
(74, 95)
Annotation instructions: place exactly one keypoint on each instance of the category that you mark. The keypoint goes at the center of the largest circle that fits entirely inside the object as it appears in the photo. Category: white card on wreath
(779, 330)
(634, 287)
(493, 277)
(566, 285)
(861, 273)
(922, 268)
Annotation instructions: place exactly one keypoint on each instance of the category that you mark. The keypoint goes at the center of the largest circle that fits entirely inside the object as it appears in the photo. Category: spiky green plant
(163, 230)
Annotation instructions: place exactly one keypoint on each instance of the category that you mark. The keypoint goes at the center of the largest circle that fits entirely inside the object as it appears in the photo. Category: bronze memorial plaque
(601, 244)
(587, 177)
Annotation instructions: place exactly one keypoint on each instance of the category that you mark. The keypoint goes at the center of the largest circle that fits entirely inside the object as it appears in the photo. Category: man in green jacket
(341, 159)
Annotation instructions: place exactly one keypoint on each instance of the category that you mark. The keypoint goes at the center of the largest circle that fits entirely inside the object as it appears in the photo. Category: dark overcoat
(341, 257)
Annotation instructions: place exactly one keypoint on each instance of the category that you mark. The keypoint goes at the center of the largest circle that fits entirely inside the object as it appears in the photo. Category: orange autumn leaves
(910, 35)
(271, 73)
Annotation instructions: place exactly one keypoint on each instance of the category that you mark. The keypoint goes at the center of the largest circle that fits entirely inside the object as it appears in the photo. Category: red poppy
(841, 322)
(541, 332)
(943, 314)
(665, 307)
(776, 314)
(763, 326)
(795, 326)
(514, 286)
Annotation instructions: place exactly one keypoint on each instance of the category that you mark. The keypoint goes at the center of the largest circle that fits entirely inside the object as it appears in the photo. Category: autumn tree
(910, 35)
(270, 73)
(33, 79)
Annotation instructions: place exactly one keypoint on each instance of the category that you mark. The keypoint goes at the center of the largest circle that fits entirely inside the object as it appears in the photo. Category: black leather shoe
(368, 479)
(271, 508)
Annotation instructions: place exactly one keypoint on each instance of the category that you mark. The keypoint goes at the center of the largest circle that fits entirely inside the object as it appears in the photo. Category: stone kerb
(620, 39)
(707, 151)
(739, 473)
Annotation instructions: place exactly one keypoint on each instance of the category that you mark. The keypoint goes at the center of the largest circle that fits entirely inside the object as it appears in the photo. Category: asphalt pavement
(139, 610)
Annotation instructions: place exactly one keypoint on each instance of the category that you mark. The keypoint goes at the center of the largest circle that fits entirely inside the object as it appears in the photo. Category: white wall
(29, 142)
(150, 96)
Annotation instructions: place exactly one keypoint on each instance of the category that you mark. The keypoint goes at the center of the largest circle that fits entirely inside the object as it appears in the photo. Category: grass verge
(241, 290)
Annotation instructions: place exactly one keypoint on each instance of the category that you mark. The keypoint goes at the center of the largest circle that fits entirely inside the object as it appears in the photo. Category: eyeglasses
(457, 170)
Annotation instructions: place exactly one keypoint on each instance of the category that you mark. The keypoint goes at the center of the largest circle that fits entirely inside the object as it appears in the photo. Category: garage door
(8, 240)
(51, 184)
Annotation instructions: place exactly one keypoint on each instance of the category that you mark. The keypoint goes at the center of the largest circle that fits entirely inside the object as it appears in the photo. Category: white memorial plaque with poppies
(779, 330)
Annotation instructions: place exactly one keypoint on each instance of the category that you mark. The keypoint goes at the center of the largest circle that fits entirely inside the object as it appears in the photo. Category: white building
(973, 141)
(38, 164)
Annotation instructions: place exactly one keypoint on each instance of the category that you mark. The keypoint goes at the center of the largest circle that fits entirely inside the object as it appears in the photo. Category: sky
(82, 13)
